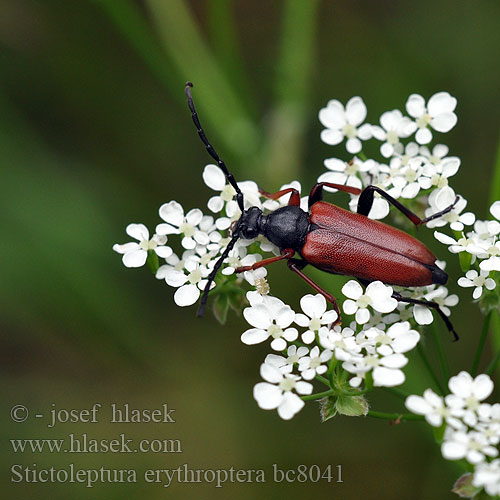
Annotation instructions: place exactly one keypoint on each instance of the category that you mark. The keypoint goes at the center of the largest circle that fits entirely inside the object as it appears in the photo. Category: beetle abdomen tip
(439, 277)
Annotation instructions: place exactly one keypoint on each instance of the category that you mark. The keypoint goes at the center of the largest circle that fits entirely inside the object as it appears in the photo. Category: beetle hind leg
(365, 204)
(432, 305)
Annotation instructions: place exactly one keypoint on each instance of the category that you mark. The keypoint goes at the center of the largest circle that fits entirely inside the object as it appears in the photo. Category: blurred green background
(95, 133)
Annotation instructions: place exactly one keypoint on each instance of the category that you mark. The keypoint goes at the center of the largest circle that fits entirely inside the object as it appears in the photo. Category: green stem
(480, 345)
(495, 330)
(495, 182)
(427, 364)
(493, 365)
(438, 342)
(361, 156)
(224, 37)
(128, 19)
(323, 380)
(288, 118)
(495, 195)
(218, 101)
(396, 392)
(394, 416)
(318, 395)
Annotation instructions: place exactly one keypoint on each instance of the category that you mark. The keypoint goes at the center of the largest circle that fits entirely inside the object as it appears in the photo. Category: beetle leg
(433, 305)
(287, 253)
(316, 193)
(294, 198)
(365, 204)
(296, 266)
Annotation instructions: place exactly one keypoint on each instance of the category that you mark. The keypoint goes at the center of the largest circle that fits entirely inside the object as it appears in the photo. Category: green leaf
(352, 406)
(327, 408)
(153, 261)
(495, 181)
(439, 433)
(221, 307)
(489, 301)
(465, 259)
(236, 300)
(464, 487)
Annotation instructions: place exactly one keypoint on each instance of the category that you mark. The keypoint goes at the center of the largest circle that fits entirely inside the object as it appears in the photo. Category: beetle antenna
(211, 151)
(211, 277)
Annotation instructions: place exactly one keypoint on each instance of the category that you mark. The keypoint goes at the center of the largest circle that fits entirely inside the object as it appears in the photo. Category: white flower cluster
(407, 168)
(472, 426)
(373, 351)
(311, 344)
(482, 247)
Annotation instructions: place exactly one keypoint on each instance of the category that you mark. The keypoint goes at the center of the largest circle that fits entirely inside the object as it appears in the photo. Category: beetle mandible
(332, 239)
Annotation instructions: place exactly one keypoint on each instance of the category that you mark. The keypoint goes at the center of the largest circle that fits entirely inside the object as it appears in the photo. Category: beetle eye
(249, 233)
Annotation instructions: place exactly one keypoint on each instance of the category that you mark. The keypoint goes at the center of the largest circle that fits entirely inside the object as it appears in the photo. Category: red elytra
(351, 244)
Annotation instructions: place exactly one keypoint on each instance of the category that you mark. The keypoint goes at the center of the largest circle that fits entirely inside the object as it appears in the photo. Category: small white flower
(466, 395)
(438, 114)
(190, 280)
(431, 405)
(394, 127)
(136, 254)
(377, 295)
(472, 445)
(439, 174)
(487, 230)
(345, 173)
(257, 278)
(491, 254)
(375, 173)
(491, 264)
(410, 178)
(438, 153)
(487, 475)
(495, 210)
(410, 152)
(313, 365)
(178, 223)
(316, 315)
(215, 179)
(473, 279)
(277, 393)
(340, 123)
(271, 318)
(286, 364)
(441, 297)
(442, 198)
(467, 243)
(341, 341)
(238, 258)
(398, 338)
(386, 369)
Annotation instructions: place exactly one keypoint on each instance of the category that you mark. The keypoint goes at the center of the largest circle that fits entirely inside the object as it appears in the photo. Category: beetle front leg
(296, 266)
(287, 253)
(365, 204)
(294, 198)
(432, 305)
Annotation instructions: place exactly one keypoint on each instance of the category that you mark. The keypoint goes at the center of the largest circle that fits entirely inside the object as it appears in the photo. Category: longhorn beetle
(333, 239)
